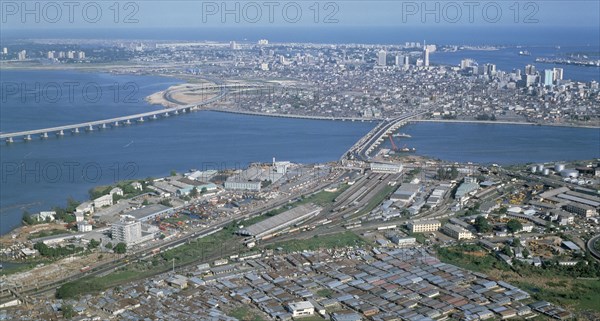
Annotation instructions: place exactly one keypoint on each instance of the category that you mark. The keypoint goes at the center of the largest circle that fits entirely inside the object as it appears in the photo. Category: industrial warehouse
(268, 227)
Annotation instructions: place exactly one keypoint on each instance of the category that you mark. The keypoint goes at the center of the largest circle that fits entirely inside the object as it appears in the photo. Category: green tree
(145, 202)
(93, 244)
(525, 253)
(71, 205)
(108, 245)
(67, 311)
(516, 242)
(27, 218)
(120, 248)
(453, 172)
(514, 226)
(173, 173)
(506, 250)
(482, 225)
(194, 192)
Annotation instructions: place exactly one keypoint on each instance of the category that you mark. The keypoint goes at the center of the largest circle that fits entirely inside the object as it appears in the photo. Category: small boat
(408, 150)
(524, 53)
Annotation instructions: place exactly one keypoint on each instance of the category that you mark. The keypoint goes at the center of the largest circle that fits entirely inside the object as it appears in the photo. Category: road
(592, 249)
(114, 265)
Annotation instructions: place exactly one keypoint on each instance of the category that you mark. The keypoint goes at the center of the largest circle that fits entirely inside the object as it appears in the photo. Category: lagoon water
(41, 174)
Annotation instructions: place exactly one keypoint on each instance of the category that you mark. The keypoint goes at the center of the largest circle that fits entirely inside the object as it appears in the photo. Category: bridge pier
(90, 128)
(128, 122)
(76, 130)
(10, 140)
(154, 117)
(103, 126)
(141, 120)
(27, 138)
(44, 135)
(60, 133)
(167, 114)
(116, 124)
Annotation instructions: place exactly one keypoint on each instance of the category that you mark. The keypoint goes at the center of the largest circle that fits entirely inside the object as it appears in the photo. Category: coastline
(159, 98)
(500, 122)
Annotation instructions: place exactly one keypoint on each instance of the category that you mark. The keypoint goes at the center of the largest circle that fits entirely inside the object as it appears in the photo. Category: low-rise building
(302, 308)
(253, 186)
(79, 217)
(84, 227)
(403, 241)
(116, 191)
(405, 193)
(580, 209)
(424, 226)
(105, 200)
(457, 232)
(45, 216)
(389, 168)
(85, 208)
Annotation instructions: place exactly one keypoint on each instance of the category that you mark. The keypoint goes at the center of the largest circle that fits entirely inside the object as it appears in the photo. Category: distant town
(380, 234)
(350, 80)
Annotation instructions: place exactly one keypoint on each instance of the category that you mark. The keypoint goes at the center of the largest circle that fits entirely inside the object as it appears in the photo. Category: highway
(117, 121)
(592, 249)
(362, 149)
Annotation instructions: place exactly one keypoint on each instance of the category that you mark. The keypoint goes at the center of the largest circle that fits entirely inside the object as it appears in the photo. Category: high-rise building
(81, 55)
(530, 80)
(558, 74)
(5, 51)
(50, 55)
(530, 70)
(22, 55)
(71, 54)
(397, 61)
(263, 42)
(406, 61)
(548, 77)
(419, 62)
(426, 57)
(432, 48)
(381, 58)
(466, 63)
(128, 231)
(491, 69)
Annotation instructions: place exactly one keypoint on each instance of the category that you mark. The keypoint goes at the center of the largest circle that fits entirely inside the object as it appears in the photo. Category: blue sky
(191, 13)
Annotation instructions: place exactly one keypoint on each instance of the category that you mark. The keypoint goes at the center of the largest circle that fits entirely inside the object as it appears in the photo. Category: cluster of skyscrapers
(548, 78)
(405, 60)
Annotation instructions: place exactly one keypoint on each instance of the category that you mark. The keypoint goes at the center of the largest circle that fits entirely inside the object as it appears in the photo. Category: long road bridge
(123, 120)
(362, 149)
(337, 118)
